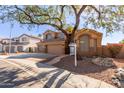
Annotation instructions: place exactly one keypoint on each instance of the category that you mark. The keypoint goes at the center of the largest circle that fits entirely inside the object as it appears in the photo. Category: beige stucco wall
(121, 54)
(41, 48)
(105, 51)
(56, 49)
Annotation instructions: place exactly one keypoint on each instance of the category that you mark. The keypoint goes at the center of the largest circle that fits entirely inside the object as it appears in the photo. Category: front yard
(90, 69)
(65, 62)
(24, 71)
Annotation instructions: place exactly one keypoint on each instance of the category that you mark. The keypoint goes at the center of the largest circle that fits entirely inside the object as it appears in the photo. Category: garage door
(12, 49)
(55, 49)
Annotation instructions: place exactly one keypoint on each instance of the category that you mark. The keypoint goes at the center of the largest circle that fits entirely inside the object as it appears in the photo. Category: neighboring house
(23, 43)
(0, 46)
(88, 42)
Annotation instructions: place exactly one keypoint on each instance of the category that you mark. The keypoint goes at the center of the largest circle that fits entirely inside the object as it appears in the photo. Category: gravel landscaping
(90, 69)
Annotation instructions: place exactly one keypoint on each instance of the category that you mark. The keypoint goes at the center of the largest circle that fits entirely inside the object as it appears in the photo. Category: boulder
(119, 73)
(107, 62)
(86, 59)
(115, 81)
(118, 77)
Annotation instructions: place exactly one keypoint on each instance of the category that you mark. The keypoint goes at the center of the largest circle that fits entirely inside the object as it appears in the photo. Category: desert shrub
(114, 49)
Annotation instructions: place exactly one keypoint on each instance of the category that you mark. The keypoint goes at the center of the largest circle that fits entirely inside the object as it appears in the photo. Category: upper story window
(24, 39)
(17, 40)
(14, 40)
(61, 35)
(49, 36)
(5, 41)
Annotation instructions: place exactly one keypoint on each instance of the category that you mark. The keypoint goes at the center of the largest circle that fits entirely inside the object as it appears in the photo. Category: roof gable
(29, 36)
(85, 30)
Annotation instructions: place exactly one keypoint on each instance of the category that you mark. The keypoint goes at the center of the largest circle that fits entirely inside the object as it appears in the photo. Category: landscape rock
(106, 62)
(118, 77)
(119, 73)
(115, 80)
(86, 59)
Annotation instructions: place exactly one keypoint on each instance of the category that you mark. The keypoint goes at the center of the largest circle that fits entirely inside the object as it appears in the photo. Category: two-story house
(0, 46)
(88, 42)
(23, 43)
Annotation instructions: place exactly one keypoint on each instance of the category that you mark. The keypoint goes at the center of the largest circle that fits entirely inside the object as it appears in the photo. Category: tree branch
(30, 18)
(74, 8)
(77, 15)
(99, 14)
(62, 10)
(53, 18)
(31, 21)
(61, 25)
(82, 9)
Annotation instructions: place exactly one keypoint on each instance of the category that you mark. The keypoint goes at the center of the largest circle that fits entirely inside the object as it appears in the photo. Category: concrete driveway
(30, 55)
(12, 76)
(35, 74)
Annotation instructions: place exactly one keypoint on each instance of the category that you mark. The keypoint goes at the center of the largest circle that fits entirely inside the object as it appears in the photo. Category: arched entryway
(30, 49)
(88, 42)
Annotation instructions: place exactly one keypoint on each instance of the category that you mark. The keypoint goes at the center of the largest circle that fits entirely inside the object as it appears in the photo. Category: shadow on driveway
(10, 79)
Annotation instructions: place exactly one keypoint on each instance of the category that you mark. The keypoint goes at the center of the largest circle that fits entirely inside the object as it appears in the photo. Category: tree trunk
(69, 39)
(67, 48)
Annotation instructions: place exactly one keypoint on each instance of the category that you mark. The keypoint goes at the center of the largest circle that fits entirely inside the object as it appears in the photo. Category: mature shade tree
(66, 17)
(122, 41)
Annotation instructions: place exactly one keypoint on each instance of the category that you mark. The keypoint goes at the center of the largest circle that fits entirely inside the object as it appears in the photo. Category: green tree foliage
(39, 35)
(122, 41)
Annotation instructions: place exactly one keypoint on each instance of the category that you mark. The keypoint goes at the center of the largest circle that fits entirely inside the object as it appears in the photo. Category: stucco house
(88, 42)
(0, 47)
(23, 43)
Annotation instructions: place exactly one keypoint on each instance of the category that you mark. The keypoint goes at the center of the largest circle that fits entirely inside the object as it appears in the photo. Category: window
(49, 36)
(13, 39)
(17, 40)
(61, 35)
(84, 43)
(94, 44)
(5, 41)
(24, 39)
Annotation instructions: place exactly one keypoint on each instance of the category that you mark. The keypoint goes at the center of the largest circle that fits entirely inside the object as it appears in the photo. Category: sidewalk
(3, 56)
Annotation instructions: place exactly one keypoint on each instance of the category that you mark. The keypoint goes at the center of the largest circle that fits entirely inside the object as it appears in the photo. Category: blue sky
(17, 30)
